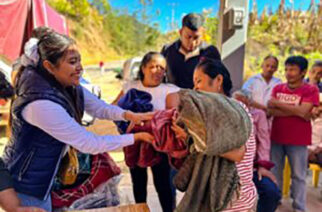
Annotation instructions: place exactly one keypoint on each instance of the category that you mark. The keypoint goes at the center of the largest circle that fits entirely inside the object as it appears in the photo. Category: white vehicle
(94, 89)
(131, 68)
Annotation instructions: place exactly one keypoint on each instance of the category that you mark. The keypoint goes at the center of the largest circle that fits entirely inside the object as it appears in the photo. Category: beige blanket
(217, 124)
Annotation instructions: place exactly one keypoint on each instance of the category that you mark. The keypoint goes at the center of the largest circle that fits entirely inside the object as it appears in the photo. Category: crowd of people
(273, 120)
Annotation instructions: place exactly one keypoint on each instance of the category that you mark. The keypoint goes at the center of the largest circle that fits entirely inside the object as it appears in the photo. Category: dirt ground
(110, 87)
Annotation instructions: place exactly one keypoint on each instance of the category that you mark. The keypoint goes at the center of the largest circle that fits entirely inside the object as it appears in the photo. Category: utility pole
(173, 22)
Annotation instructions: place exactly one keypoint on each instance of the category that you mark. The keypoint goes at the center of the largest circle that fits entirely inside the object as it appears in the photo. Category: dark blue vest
(32, 155)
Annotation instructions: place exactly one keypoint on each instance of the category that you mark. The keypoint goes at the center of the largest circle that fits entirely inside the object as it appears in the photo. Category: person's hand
(308, 116)
(9, 201)
(315, 113)
(143, 136)
(262, 172)
(138, 118)
(269, 112)
(318, 148)
(272, 103)
(29, 209)
(312, 157)
(179, 132)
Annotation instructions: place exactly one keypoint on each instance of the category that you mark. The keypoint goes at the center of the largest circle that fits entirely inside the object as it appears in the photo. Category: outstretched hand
(180, 133)
(138, 118)
(143, 136)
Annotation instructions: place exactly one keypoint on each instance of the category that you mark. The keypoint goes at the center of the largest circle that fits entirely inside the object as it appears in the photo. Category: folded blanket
(140, 154)
(143, 154)
(217, 124)
(136, 101)
(102, 169)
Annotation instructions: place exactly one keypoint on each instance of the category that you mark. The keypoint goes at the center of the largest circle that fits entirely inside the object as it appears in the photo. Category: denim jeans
(297, 157)
(27, 200)
(268, 192)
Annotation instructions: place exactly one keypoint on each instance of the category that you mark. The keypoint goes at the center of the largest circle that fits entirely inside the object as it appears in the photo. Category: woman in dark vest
(46, 115)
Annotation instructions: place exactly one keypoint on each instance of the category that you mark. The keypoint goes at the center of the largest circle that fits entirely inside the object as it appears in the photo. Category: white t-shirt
(158, 93)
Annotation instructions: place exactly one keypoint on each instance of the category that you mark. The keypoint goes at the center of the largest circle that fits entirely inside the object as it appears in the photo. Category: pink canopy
(44, 15)
(19, 17)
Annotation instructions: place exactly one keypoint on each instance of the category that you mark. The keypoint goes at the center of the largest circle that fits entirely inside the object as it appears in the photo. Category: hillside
(104, 33)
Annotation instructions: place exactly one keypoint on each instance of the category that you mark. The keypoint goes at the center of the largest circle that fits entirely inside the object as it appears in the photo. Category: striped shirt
(247, 194)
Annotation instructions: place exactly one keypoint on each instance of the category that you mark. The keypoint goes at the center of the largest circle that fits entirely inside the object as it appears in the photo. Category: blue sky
(182, 7)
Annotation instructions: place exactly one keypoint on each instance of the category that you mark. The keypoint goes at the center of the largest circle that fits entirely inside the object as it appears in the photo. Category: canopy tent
(19, 17)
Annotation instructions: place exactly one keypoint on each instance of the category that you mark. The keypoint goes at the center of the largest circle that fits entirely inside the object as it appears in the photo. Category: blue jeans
(27, 200)
(268, 192)
(297, 157)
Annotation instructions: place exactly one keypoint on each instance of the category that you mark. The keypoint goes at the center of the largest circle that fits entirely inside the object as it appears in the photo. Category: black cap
(193, 21)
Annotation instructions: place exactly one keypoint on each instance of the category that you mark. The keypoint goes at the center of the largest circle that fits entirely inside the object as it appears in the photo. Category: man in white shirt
(261, 85)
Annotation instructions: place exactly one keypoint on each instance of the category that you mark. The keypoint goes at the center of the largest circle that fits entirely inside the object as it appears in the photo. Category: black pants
(161, 173)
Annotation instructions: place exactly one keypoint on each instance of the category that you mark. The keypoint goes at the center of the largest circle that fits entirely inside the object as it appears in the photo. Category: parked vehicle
(131, 68)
